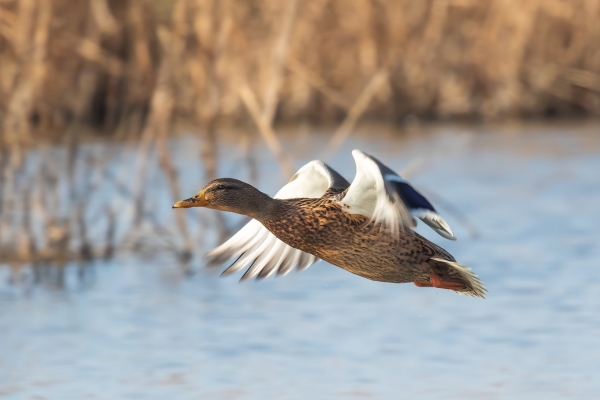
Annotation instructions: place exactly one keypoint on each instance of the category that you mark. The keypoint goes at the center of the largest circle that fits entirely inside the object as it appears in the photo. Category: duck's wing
(420, 207)
(256, 247)
(384, 197)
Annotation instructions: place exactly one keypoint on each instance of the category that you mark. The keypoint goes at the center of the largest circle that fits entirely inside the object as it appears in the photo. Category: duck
(365, 227)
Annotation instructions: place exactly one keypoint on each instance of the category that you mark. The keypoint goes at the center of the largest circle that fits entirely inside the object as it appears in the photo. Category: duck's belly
(367, 252)
(380, 260)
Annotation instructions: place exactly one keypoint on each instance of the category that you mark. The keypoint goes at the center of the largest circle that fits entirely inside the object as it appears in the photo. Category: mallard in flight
(364, 227)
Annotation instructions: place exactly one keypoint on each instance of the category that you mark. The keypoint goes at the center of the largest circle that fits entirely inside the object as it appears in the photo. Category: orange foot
(437, 282)
(421, 284)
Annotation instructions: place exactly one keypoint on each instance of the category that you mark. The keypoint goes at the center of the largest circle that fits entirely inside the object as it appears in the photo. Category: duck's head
(231, 195)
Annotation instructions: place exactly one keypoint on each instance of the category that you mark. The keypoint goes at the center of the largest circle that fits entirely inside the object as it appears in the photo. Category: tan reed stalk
(356, 111)
(265, 129)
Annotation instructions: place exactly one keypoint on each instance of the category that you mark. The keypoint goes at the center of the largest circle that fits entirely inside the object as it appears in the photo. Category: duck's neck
(258, 205)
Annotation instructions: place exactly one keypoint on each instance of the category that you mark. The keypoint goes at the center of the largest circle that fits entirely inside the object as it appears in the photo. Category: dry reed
(98, 61)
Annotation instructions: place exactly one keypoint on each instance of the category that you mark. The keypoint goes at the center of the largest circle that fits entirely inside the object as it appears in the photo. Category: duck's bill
(196, 201)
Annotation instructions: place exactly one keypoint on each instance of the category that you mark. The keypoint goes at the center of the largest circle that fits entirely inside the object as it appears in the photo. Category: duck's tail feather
(475, 286)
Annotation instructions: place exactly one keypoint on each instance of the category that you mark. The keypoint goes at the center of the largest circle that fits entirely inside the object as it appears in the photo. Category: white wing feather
(435, 222)
(369, 196)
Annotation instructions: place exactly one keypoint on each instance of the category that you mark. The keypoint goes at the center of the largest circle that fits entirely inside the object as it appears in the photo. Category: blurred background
(112, 110)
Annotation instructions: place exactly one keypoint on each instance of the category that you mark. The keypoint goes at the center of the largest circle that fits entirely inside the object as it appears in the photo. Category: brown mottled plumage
(320, 227)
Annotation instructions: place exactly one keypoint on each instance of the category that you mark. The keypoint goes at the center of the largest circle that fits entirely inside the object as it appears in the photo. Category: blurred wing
(256, 246)
(312, 181)
(420, 207)
(385, 198)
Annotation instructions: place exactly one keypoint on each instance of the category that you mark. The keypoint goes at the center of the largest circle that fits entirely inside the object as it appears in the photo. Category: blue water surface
(138, 328)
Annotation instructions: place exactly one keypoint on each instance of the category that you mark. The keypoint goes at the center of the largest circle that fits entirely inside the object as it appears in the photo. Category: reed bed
(102, 62)
(131, 70)
(93, 200)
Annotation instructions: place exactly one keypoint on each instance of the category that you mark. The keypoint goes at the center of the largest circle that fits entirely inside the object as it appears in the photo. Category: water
(139, 329)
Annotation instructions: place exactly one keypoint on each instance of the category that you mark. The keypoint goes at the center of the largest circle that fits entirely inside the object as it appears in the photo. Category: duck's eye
(220, 187)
